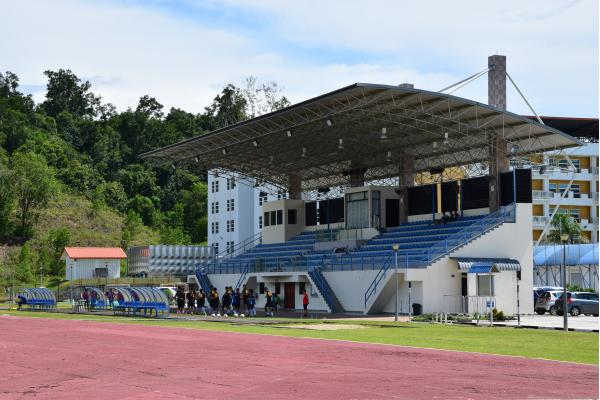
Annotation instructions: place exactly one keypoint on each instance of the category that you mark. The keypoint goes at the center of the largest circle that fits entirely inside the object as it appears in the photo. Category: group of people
(232, 302)
(449, 217)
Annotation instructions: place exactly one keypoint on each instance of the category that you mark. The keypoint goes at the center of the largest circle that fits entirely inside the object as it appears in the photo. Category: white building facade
(235, 211)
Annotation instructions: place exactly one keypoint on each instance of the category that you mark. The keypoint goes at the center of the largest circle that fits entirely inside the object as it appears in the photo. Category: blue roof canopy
(483, 268)
(576, 254)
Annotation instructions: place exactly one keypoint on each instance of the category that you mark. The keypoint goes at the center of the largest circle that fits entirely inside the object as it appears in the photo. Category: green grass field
(578, 347)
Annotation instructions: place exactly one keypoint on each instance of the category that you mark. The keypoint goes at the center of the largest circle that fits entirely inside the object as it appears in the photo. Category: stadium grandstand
(389, 189)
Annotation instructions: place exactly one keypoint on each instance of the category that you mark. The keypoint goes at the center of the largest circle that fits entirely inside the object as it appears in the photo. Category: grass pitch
(581, 347)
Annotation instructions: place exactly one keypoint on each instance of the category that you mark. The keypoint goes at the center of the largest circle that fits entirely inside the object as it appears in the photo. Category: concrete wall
(510, 240)
(269, 279)
(84, 269)
(436, 287)
(285, 231)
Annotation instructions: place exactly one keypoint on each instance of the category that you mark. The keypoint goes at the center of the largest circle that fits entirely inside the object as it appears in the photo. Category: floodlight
(341, 145)
(289, 133)
(383, 134)
(564, 237)
(255, 143)
(395, 247)
(329, 122)
(303, 152)
(224, 151)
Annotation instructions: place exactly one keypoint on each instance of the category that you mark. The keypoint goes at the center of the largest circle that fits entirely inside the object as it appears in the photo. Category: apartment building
(581, 200)
(234, 211)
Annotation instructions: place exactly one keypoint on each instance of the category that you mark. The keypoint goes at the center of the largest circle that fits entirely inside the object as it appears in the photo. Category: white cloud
(309, 47)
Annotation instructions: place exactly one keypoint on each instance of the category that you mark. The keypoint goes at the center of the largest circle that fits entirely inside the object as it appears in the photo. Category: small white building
(92, 262)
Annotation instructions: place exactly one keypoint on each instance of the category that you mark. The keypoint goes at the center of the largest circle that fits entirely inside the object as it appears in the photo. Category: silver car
(546, 302)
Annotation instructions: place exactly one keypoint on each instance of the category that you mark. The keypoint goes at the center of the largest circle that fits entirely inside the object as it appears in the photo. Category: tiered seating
(414, 239)
(278, 254)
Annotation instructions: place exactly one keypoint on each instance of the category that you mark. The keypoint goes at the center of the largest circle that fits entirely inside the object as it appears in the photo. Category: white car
(546, 302)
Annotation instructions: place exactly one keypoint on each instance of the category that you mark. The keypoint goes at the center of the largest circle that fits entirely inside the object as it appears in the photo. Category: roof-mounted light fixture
(389, 156)
(329, 121)
(255, 143)
(434, 144)
(383, 134)
(289, 133)
(196, 159)
(224, 151)
(341, 144)
(446, 138)
(303, 152)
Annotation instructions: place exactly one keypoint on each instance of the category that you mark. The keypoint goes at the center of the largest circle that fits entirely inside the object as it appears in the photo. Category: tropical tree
(33, 184)
(66, 92)
(565, 224)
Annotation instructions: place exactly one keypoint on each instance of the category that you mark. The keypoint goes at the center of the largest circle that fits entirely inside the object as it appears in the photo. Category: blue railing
(323, 287)
(372, 289)
(442, 247)
(242, 278)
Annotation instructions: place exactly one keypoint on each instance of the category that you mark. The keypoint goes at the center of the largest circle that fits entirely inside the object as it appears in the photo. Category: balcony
(565, 174)
(540, 221)
(542, 195)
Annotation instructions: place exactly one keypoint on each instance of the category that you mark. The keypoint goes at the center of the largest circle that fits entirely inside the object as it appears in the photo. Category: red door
(290, 295)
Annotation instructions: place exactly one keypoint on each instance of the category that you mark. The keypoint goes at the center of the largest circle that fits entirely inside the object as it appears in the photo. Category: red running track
(58, 359)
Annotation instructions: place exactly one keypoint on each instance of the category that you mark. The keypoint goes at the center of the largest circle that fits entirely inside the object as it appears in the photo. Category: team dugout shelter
(372, 169)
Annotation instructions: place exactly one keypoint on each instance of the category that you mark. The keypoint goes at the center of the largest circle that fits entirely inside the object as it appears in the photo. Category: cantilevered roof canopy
(363, 127)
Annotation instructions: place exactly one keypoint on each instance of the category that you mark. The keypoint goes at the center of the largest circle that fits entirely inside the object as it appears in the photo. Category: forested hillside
(70, 172)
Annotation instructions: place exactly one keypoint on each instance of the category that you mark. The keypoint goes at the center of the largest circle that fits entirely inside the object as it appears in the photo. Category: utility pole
(564, 237)
(395, 247)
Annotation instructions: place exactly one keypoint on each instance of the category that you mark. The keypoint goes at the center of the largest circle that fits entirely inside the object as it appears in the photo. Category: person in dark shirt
(21, 301)
(201, 301)
(251, 303)
(214, 300)
(180, 298)
(268, 303)
(226, 301)
(235, 300)
(191, 301)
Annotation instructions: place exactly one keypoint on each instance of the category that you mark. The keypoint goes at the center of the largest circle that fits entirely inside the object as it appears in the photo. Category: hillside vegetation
(70, 171)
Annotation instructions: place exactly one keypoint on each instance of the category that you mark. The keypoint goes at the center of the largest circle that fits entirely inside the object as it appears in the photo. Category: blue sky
(184, 51)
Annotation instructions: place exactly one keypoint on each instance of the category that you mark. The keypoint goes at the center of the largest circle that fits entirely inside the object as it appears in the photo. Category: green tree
(33, 184)
(112, 194)
(66, 92)
(138, 179)
(195, 211)
(228, 107)
(7, 197)
(144, 207)
(564, 223)
(130, 226)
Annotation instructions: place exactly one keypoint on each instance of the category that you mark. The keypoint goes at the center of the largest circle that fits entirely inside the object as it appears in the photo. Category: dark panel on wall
(331, 211)
(422, 200)
(449, 196)
(392, 212)
(475, 193)
(310, 212)
(523, 178)
(506, 188)
(523, 181)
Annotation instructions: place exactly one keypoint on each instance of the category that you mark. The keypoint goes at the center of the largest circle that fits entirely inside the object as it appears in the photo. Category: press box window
(292, 217)
(279, 217)
(266, 218)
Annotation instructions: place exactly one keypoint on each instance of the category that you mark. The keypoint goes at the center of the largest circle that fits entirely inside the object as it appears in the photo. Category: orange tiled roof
(94, 252)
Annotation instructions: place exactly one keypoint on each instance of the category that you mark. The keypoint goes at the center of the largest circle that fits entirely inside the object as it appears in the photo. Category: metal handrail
(323, 287)
(449, 244)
